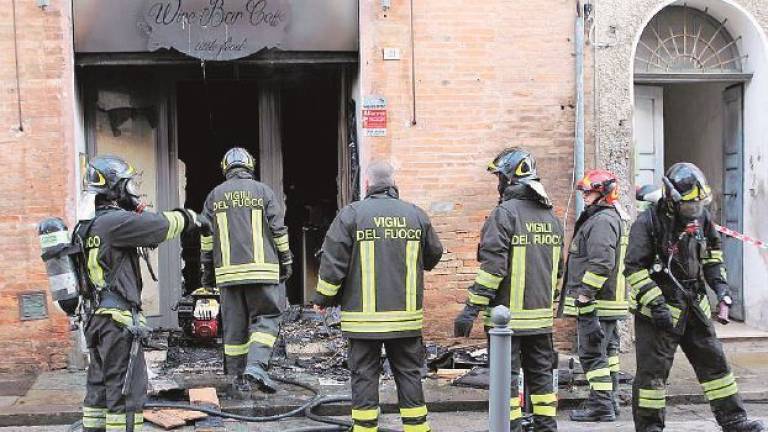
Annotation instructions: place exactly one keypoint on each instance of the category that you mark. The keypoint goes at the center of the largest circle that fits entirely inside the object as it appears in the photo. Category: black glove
(286, 266)
(589, 323)
(661, 316)
(191, 221)
(462, 325)
(589, 328)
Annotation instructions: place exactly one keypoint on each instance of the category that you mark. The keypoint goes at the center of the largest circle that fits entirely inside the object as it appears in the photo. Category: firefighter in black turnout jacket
(596, 291)
(117, 378)
(373, 262)
(673, 251)
(246, 255)
(520, 258)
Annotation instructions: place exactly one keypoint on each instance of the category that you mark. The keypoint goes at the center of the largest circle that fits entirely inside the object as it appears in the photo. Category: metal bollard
(501, 370)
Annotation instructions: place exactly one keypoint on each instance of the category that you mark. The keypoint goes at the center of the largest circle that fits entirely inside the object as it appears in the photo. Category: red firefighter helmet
(601, 181)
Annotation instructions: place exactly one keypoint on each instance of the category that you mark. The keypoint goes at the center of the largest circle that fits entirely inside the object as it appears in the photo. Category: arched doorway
(690, 80)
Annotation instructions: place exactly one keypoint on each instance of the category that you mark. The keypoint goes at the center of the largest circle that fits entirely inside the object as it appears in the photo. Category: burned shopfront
(171, 85)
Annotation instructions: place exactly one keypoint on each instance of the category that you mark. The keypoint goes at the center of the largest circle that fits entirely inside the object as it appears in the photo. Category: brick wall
(489, 75)
(37, 173)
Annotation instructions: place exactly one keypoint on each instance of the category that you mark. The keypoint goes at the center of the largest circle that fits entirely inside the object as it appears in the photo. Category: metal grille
(681, 39)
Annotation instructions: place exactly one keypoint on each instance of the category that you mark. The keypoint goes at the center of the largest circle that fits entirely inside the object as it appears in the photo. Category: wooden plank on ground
(164, 419)
(187, 415)
(450, 373)
(204, 396)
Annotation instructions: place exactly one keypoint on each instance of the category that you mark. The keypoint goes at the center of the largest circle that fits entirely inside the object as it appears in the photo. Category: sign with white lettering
(216, 29)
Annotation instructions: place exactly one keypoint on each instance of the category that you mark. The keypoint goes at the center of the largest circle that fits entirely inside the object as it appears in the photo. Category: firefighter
(596, 291)
(520, 257)
(674, 250)
(246, 255)
(117, 378)
(373, 262)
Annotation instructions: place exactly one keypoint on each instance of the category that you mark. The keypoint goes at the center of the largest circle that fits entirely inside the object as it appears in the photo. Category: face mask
(130, 197)
(692, 209)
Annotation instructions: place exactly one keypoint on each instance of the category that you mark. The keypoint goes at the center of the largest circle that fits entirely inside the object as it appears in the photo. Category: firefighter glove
(286, 266)
(661, 316)
(462, 325)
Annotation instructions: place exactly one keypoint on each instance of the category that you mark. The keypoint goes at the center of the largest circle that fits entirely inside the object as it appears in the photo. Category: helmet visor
(133, 186)
(693, 209)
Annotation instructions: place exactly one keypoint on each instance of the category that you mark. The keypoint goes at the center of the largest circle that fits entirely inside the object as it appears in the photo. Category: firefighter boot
(593, 413)
(615, 394)
(241, 388)
(744, 425)
(257, 375)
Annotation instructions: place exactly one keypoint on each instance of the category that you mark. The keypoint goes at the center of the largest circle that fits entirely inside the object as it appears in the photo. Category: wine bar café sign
(216, 29)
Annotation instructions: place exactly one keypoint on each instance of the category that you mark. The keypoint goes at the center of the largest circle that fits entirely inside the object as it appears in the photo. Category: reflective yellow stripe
(516, 324)
(382, 316)
(116, 422)
(263, 338)
(514, 402)
(488, 280)
(326, 288)
(175, 224)
(705, 306)
(250, 267)
(598, 373)
(649, 296)
(248, 276)
(586, 310)
(358, 428)
(478, 299)
(601, 386)
(221, 222)
(368, 273)
(95, 418)
(121, 316)
(544, 410)
(637, 277)
(729, 390)
(413, 412)
(515, 413)
(282, 243)
(548, 398)
(380, 327)
(610, 308)
(621, 281)
(613, 364)
(593, 280)
(555, 267)
(718, 383)
(517, 279)
(424, 427)
(258, 235)
(206, 243)
(237, 350)
(652, 398)
(411, 274)
(95, 272)
(365, 414)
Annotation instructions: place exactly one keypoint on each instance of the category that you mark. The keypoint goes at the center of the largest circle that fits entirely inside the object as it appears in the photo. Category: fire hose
(306, 409)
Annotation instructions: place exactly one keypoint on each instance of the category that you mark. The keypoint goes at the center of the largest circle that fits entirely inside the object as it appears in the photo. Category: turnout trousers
(105, 408)
(406, 356)
(601, 366)
(655, 352)
(250, 315)
(535, 353)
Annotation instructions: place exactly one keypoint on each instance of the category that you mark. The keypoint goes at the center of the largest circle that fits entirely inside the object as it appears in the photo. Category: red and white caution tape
(739, 236)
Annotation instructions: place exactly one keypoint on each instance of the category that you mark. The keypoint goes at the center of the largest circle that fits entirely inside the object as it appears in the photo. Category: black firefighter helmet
(513, 165)
(686, 190)
(237, 157)
(111, 177)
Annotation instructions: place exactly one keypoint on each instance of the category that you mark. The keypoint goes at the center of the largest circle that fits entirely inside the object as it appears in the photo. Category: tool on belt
(138, 333)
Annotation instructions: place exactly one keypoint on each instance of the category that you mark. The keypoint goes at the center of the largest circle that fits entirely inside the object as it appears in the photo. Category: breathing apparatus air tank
(57, 249)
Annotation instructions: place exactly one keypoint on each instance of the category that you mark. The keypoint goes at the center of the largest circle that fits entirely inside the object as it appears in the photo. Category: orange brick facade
(38, 165)
(489, 75)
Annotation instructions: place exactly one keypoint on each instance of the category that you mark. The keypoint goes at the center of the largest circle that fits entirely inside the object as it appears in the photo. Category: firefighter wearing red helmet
(596, 293)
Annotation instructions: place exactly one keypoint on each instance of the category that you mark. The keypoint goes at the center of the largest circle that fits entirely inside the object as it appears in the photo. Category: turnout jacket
(111, 251)
(595, 265)
(248, 235)
(520, 255)
(697, 257)
(373, 262)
